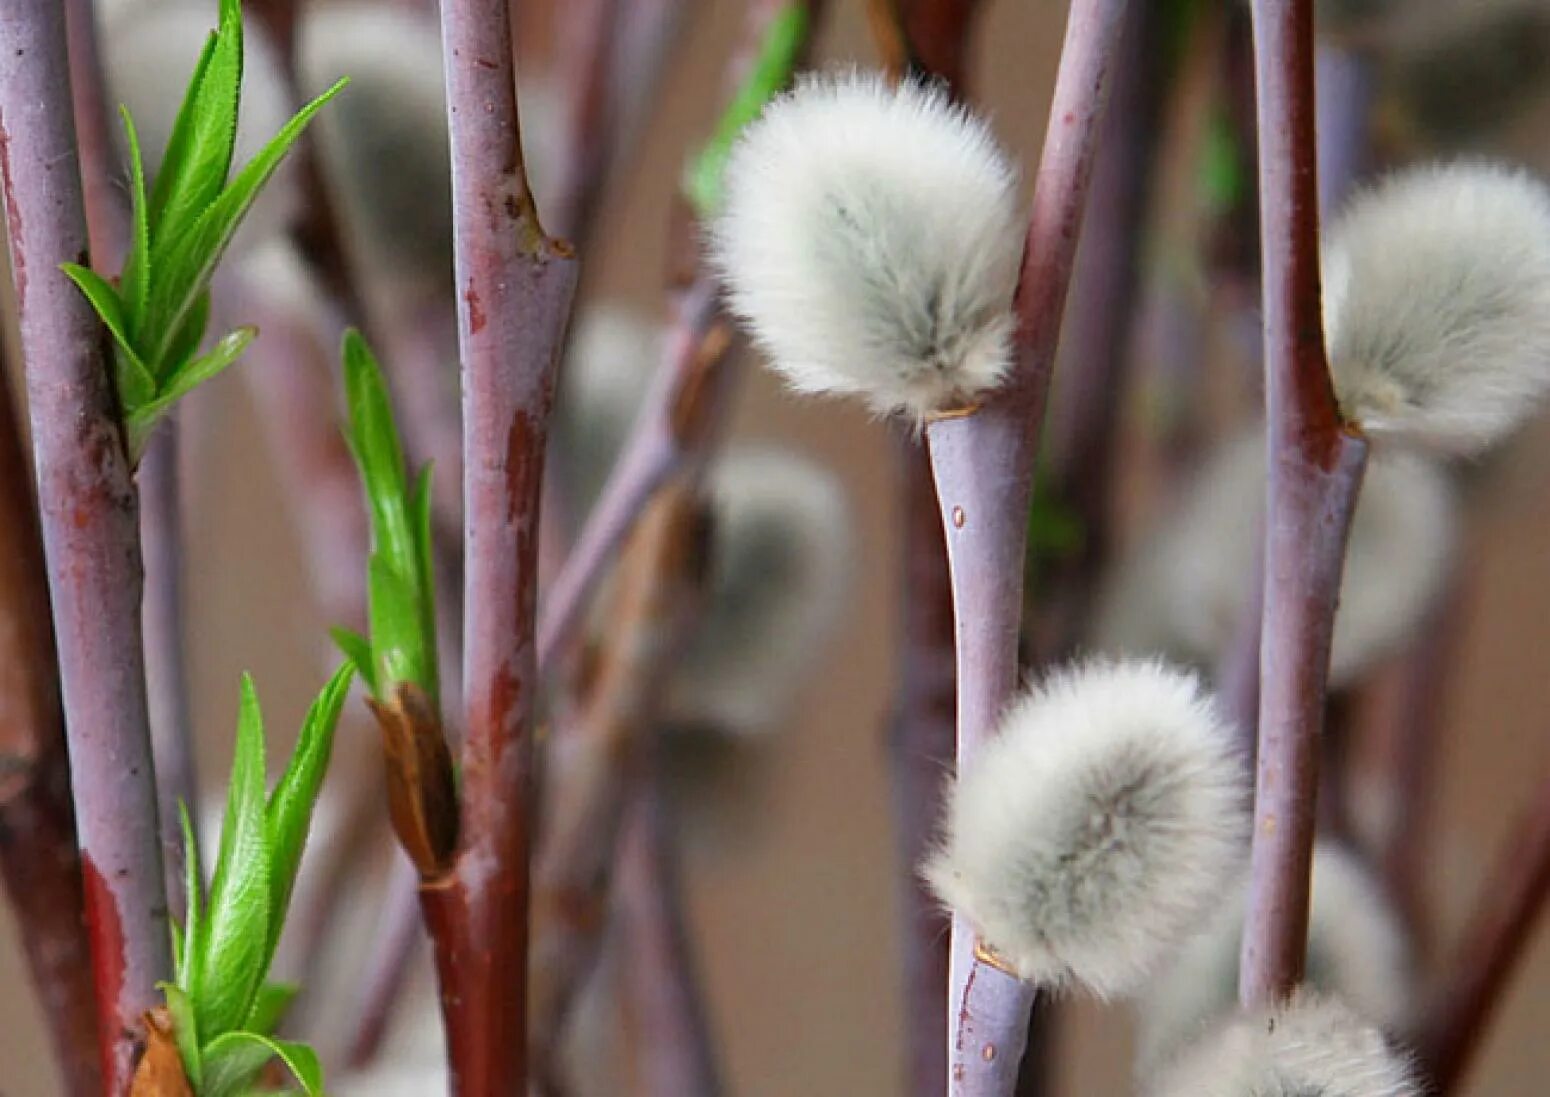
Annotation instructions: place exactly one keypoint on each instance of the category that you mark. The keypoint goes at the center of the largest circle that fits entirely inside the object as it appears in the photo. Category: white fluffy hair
(781, 562)
(384, 143)
(871, 241)
(1309, 1045)
(1181, 590)
(1437, 305)
(149, 53)
(613, 353)
(1091, 836)
(1357, 952)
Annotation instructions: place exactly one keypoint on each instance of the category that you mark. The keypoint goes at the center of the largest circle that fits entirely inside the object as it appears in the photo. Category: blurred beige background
(793, 912)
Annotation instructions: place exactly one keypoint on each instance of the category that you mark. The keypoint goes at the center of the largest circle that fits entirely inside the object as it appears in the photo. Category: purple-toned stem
(983, 465)
(1315, 472)
(688, 394)
(515, 287)
(587, 33)
(90, 535)
(38, 857)
(1496, 936)
(107, 220)
(1095, 344)
(674, 1050)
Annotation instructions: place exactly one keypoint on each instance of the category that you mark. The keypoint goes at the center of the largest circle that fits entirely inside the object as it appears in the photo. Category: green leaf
(199, 151)
(397, 640)
(187, 341)
(269, 1006)
(134, 382)
(193, 899)
(136, 281)
(378, 455)
(233, 1060)
(232, 967)
(357, 649)
(771, 70)
(290, 806)
(426, 563)
(142, 420)
(186, 261)
(185, 1032)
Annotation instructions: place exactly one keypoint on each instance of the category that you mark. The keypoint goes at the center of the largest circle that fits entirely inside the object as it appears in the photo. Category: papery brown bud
(421, 786)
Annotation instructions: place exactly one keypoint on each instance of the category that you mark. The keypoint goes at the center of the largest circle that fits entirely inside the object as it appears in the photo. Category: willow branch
(107, 221)
(1496, 936)
(38, 856)
(90, 536)
(514, 287)
(983, 465)
(1315, 473)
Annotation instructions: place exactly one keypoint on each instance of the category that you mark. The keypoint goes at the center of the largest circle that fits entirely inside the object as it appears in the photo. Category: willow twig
(514, 287)
(1315, 469)
(983, 465)
(1497, 934)
(38, 856)
(90, 535)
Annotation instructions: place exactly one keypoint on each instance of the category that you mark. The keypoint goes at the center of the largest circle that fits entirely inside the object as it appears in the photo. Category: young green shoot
(159, 306)
(224, 1011)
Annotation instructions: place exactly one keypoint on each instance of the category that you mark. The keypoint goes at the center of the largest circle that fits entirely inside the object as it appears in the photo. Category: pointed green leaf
(290, 806)
(771, 70)
(193, 900)
(397, 639)
(233, 1060)
(142, 421)
(269, 1006)
(136, 282)
(185, 1033)
(186, 344)
(232, 966)
(199, 152)
(357, 649)
(378, 454)
(426, 563)
(134, 382)
(186, 261)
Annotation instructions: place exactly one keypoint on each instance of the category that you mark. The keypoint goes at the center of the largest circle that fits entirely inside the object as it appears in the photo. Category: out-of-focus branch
(1500, 930)
(595, 758)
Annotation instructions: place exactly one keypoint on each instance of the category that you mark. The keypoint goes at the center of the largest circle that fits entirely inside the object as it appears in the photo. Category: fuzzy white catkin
(781, 563)
(1180, 591)
(384, 143)
(1308, 1046)
(1437, 305)
(1357, 952)
(149, 53)
(870, 240)
(1089, 838)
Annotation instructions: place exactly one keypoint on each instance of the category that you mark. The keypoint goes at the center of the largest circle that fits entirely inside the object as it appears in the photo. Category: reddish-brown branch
(38, 856)
(983, 465)
(514, 287)
(90, 535)
(1315, 474)
(1498, 933)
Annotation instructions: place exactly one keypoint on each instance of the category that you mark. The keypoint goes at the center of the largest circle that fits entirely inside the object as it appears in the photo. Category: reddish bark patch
(107, 955)
(13, 218)
(476, 318)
